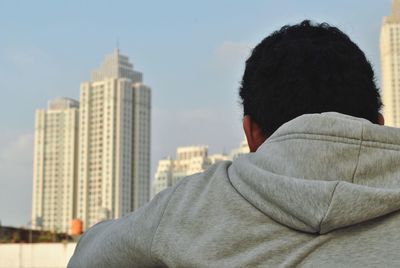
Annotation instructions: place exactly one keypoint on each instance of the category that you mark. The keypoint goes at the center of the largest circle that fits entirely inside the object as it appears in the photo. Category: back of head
(307, 68)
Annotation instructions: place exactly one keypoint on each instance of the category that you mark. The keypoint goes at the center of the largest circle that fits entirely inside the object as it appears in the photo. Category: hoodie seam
(359, 153)
(318, 138)
(343, 142)
(347, 140)
(288, 136)
(327, 210)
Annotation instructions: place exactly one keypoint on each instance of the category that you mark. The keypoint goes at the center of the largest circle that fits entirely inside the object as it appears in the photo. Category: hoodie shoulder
(124, 242)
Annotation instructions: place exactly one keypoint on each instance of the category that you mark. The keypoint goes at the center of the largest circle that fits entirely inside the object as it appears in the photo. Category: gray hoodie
(322, 191)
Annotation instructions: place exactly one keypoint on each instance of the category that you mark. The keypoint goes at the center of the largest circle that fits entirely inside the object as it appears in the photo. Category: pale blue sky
(191, 54)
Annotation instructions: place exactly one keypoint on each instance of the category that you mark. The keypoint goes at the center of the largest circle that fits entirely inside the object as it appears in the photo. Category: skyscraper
(390, 65)
(114, 143)
(55, 165)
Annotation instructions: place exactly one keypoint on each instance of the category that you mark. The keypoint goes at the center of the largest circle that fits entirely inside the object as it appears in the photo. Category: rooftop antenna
(117, 45)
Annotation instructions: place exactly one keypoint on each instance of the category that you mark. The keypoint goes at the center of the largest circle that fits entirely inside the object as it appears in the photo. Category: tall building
(55, 165)
(114, 143)
(390, 65)
(189, 160)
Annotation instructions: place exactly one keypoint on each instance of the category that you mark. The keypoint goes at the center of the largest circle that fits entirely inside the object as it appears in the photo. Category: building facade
(114, 142)
(55, 165)
(242, 149)
(390, 65)
(189, 160)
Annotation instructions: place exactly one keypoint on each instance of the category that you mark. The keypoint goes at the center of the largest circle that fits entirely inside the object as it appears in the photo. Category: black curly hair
(307, 68)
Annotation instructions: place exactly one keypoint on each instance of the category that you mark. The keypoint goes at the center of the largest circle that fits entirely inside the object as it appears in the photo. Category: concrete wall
(37, 255)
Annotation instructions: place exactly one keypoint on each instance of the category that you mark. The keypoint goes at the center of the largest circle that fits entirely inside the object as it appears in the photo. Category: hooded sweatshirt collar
(321, 172)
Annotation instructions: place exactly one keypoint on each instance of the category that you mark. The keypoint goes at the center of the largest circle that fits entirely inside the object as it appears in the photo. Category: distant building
(163, 176)
(243, 149)
(55, 165)
(114, 142)
(390, 65)
(189, 160)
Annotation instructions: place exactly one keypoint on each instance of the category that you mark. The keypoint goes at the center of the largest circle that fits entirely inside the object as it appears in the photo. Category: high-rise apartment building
(390, 65)
(55, 165)
(189, 160)
(114, 142)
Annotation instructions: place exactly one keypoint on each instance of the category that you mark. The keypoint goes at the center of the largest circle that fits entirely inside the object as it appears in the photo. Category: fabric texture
(322, 191)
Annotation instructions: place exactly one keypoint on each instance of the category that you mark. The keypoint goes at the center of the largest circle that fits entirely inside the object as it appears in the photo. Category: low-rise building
(189, 160)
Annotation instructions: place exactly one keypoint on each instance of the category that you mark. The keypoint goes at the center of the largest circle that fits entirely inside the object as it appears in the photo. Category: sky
(191, 53)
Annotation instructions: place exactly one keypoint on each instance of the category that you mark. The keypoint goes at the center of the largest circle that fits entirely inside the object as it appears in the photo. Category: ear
(381, 119)
(254, 134)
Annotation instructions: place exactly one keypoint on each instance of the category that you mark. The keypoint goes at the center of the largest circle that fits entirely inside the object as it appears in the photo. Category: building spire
(117, 46)
(396, 8)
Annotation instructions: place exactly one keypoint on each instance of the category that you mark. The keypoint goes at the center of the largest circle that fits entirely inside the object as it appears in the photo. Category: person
(320, 187)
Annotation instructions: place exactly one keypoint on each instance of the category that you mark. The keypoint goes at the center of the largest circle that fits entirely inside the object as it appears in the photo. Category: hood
(321, 172)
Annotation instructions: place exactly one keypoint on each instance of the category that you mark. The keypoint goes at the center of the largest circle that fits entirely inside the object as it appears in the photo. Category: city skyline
(192, 55)
(92, 157)
(188, 161)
